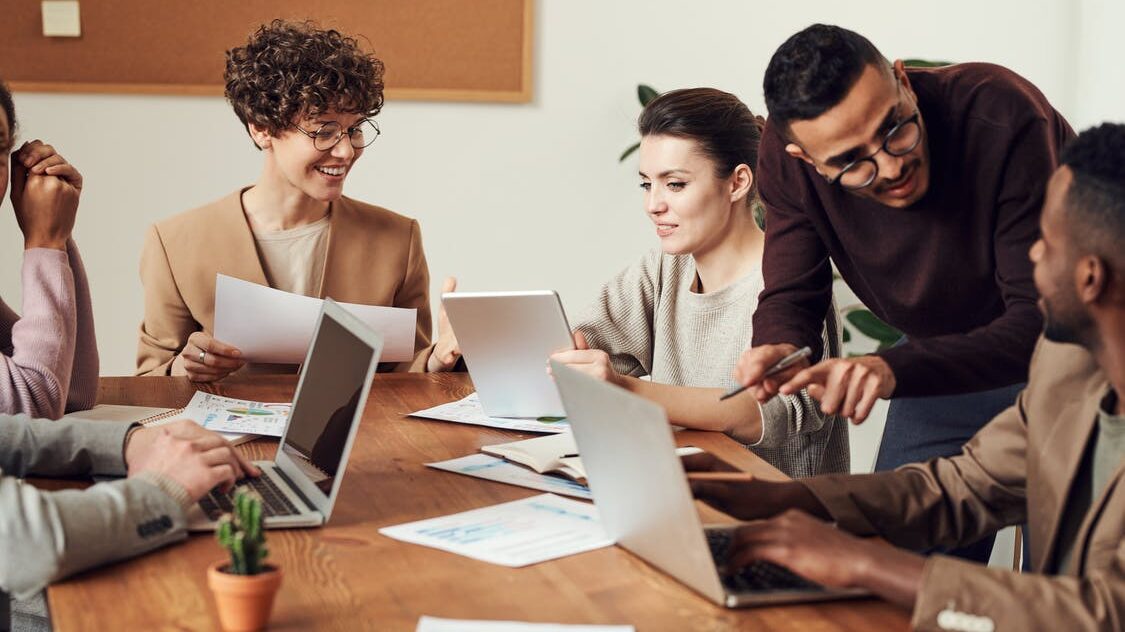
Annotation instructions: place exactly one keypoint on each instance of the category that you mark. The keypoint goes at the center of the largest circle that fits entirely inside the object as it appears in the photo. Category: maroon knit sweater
(952, 270)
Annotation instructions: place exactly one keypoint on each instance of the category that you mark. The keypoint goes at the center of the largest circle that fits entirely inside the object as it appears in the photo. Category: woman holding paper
(307, 98)
(682, 314)
(48, 356)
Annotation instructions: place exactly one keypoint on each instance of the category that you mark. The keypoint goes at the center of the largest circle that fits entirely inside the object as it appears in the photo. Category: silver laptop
(506, 338)
(644, 501)
(299, 487)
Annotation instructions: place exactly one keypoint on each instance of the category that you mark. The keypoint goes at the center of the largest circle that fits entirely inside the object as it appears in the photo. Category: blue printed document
(514, 534)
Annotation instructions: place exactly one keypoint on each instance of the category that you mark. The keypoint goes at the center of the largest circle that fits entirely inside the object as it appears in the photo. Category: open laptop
(506, 338)
(299, 487)
(645, 504)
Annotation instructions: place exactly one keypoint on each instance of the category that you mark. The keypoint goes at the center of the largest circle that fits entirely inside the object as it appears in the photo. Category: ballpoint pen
(780, 366)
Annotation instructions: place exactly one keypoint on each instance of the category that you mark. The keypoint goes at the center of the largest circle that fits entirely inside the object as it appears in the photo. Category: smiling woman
(307, 97)
(682, 314)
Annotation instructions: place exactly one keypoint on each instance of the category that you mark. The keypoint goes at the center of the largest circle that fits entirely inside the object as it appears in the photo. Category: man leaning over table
(45, 536)
(1053, 460)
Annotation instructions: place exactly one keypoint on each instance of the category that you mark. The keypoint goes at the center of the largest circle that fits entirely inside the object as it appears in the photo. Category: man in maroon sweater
(924, 187)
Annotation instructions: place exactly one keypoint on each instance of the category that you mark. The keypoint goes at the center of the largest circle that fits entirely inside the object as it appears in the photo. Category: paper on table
(494, 469)
(513, 534)
(274, 326)
(468, 411)
(435, 624)
(229, 415)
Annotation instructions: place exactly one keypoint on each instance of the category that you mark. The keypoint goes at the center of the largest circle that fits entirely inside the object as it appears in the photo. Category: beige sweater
(651, 323)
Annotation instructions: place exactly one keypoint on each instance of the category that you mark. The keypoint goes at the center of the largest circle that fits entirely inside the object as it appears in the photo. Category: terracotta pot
(244, 601)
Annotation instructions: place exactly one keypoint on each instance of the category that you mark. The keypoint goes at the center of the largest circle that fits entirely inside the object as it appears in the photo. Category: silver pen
(780, 366)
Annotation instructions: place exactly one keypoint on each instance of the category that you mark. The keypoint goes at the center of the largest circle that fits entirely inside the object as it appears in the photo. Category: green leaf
(646, 93)
(628, 152)
(847, 335)
(869, 325)
(925, 63)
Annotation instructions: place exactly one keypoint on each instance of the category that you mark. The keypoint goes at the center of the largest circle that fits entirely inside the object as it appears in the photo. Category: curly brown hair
(291, 69)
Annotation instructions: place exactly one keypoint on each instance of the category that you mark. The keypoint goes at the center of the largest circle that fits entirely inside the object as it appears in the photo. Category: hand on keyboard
(184, 452)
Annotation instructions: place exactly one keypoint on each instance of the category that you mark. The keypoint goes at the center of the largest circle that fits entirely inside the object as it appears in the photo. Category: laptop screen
(324, 409)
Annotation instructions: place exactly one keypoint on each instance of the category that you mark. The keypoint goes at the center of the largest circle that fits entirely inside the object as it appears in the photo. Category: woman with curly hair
(307, 97)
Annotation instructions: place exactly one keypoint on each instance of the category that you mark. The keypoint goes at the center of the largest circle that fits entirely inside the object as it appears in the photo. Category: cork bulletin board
(457, 50)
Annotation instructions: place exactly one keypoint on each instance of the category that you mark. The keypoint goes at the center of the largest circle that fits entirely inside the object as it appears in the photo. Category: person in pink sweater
(48, 356)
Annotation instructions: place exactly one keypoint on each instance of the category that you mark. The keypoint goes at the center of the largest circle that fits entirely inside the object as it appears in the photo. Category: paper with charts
(435, 624)
(512, 534)
(468, 411)
(274, 326)
(240, 416)
(491, 468)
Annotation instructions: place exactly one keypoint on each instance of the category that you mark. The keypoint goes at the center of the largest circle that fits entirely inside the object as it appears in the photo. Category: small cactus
(241, 533)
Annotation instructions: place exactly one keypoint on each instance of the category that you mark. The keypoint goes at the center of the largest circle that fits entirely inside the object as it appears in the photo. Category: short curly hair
(1096, 199)
(292, 69)
(9, 108)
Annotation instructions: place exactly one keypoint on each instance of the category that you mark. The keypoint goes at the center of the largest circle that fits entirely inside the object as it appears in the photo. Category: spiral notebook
(146, 416)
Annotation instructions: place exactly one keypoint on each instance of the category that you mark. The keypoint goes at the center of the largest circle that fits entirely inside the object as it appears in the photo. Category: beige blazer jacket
(374, 257)
(1019, 468)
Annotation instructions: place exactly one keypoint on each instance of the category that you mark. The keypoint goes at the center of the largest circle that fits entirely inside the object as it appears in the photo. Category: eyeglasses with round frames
(899, 141)
(326, 136)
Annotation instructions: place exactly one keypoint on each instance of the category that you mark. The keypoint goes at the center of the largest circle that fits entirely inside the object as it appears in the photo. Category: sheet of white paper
(435, 624)
(469, 411)
(494, 469)
(513, 534)
(240, 416)
(273, 326)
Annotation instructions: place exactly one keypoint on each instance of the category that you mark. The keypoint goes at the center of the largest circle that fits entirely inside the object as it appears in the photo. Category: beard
(1065, 325)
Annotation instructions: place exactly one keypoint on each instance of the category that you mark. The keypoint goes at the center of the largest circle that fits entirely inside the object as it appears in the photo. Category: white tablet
(506, 338)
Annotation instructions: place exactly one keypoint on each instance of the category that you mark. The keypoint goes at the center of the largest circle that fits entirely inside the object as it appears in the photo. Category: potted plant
(244, 587)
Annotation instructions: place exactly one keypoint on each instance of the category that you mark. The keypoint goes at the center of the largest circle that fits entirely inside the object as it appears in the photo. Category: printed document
(468, 411)
(494, 469)
(513, 534)
(434, 624)
(274, 326)
(237, 416)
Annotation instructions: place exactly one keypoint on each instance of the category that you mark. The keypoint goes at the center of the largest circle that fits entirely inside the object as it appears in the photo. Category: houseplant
(243, 586)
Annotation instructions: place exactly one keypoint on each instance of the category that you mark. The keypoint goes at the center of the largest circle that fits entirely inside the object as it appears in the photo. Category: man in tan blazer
(1055, 460)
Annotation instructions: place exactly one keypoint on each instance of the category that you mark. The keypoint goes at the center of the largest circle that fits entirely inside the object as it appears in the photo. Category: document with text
(273, 326)
(495, 469)
(468, 410)
(514, 534)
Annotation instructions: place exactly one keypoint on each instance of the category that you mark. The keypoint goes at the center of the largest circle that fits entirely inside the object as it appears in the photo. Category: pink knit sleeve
(35, 375)
(84, 376)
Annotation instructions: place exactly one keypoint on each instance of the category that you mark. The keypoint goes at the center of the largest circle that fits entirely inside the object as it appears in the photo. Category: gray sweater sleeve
(45, 536)
(621, 320)
(786, 416)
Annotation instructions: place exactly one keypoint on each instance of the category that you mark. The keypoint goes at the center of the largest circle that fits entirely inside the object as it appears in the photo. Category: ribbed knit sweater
(49, 356)
(650, 322)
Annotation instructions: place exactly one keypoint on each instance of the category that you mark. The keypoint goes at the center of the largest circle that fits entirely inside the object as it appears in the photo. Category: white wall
(531, 196)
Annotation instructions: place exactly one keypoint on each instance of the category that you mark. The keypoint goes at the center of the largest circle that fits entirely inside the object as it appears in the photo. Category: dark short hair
(1095, 202)
(814, 70)
(726, 130)
(9, 108)
(291, 69)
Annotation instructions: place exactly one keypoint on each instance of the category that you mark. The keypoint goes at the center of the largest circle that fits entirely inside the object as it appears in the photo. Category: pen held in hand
(780, 366)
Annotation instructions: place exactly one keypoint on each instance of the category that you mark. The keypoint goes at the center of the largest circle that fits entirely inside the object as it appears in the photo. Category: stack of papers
(469, 411)
(512, 534)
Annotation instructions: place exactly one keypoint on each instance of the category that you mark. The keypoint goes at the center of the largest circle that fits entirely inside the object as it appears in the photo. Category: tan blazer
(374, 257)
(1019, 468)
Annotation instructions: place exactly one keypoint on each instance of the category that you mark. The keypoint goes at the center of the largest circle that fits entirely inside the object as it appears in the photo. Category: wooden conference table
(346, 576)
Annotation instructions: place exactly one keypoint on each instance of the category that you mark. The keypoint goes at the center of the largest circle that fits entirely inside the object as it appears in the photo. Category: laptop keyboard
(274, 502)
(759, 576)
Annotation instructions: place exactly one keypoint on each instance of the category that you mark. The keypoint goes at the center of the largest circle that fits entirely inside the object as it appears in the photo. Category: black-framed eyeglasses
(899, 141)
(326, 136)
